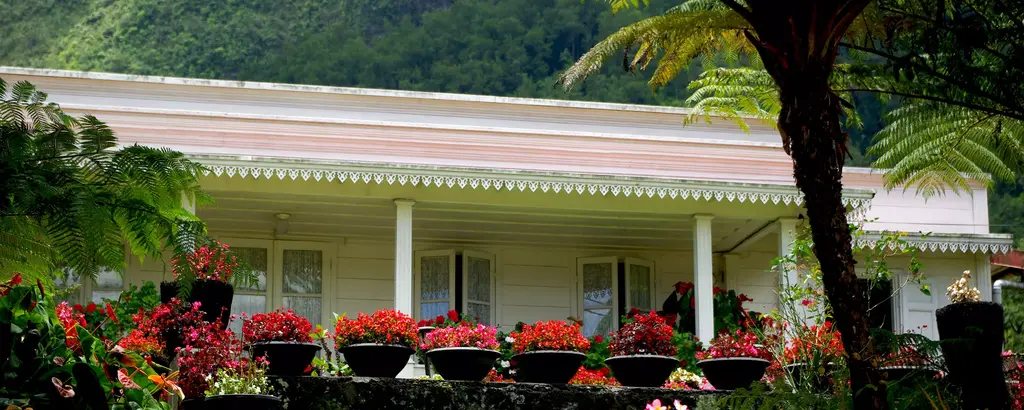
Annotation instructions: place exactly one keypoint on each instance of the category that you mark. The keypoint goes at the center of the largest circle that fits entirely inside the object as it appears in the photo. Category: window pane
(430, 310)
(304, 306)
(597, 322)
(480, 311)
(434, 278)
(256, 258)
(248, 304)
(597, 284)
(109, 279)
(479, 285)
(640, 286)
(303, 271)
(68, 288)
(99, 295)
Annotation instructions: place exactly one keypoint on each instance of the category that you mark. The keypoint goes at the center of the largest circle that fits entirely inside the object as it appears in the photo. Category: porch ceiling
(324, 217)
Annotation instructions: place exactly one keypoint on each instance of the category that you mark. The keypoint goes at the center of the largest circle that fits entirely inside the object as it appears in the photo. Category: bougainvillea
(383, 327)
(209, 263)
(600, 377)
(282, 325)
(645, 334)
(549, 335)
(479, 336)
(738, 344)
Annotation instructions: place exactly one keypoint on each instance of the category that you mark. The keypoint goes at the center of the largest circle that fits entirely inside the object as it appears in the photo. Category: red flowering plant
(382, 327)
(282, 325)
(207, 347)
(165, 323)
(814, 344)
(479, 336)
(645, 334)
(550, 335)
(600, 377)
(728, 307)
(53, 360)
(737, 344)
(451, 319)
(208, 262)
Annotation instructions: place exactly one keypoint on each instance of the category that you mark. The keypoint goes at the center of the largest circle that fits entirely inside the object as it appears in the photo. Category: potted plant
(642, 352)
(205, 276)
(377, 345)
(243, 386)
(548, 352)
(167, 324)
(811, 356)
(907, 363)
(734, 360)
(462, 352)
(283, 337)
(971, 337)
(206, 348)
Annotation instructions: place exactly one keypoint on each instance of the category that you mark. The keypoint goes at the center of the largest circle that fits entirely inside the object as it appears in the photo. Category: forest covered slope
(491, 47)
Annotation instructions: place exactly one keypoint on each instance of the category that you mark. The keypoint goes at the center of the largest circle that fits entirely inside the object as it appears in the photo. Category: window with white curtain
(108, 285)
(598, 289)
(302, 273)
(455, 280)
(609, 287)
(478, 286)
(251, 299)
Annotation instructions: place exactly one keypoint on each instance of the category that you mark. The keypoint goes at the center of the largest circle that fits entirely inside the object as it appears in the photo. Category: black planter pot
(908, 374)
(547, 366)
(286, 358)
(731, 373)
(821, 383)
(644, 370)
(376, 360)
(214, 298)
(193, 404)
(243, 401)
(463, 363)
(971, 337)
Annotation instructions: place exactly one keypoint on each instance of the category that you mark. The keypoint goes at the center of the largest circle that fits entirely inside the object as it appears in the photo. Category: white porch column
(703, 278)
(403, 255)
(982, 273)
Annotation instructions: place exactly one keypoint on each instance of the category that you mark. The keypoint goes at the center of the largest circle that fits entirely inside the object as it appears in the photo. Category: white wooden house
(352, 200)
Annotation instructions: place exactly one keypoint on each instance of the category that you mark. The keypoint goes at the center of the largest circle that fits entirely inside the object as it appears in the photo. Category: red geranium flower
(646, 334)
(453, 316)
(439, 320)
(91, 308)
(550, 335)
(383, 327)
(282, 325)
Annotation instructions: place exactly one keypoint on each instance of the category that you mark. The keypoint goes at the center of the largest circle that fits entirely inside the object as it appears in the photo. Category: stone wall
(353, 393)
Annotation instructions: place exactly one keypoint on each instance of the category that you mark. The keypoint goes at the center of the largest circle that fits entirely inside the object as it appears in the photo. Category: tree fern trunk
(810, 123)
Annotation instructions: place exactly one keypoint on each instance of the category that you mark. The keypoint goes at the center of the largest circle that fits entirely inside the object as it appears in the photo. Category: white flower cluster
(681, 375)
(238, 382)
(960, 291)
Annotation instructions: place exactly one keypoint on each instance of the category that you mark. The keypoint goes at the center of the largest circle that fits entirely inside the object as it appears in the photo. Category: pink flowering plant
(213, 261)
(738, 344)
(479, 336)
(282, 325)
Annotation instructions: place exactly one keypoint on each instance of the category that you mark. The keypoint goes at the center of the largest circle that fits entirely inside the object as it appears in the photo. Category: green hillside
(492, 47)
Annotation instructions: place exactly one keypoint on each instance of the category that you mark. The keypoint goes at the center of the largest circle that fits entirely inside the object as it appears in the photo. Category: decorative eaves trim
(952, 243)
(511, 180)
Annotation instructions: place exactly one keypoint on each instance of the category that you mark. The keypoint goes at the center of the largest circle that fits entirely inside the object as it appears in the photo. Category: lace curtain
(108, 285)
(597, 298)
(478, 285)
(250, 300)
(302, 272)
(434, 285)
(640, 287)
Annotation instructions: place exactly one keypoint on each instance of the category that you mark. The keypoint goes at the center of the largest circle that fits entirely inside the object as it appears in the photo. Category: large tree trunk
(810, 123)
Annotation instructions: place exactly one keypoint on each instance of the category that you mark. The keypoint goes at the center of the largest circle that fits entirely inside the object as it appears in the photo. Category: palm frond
(932, 145)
